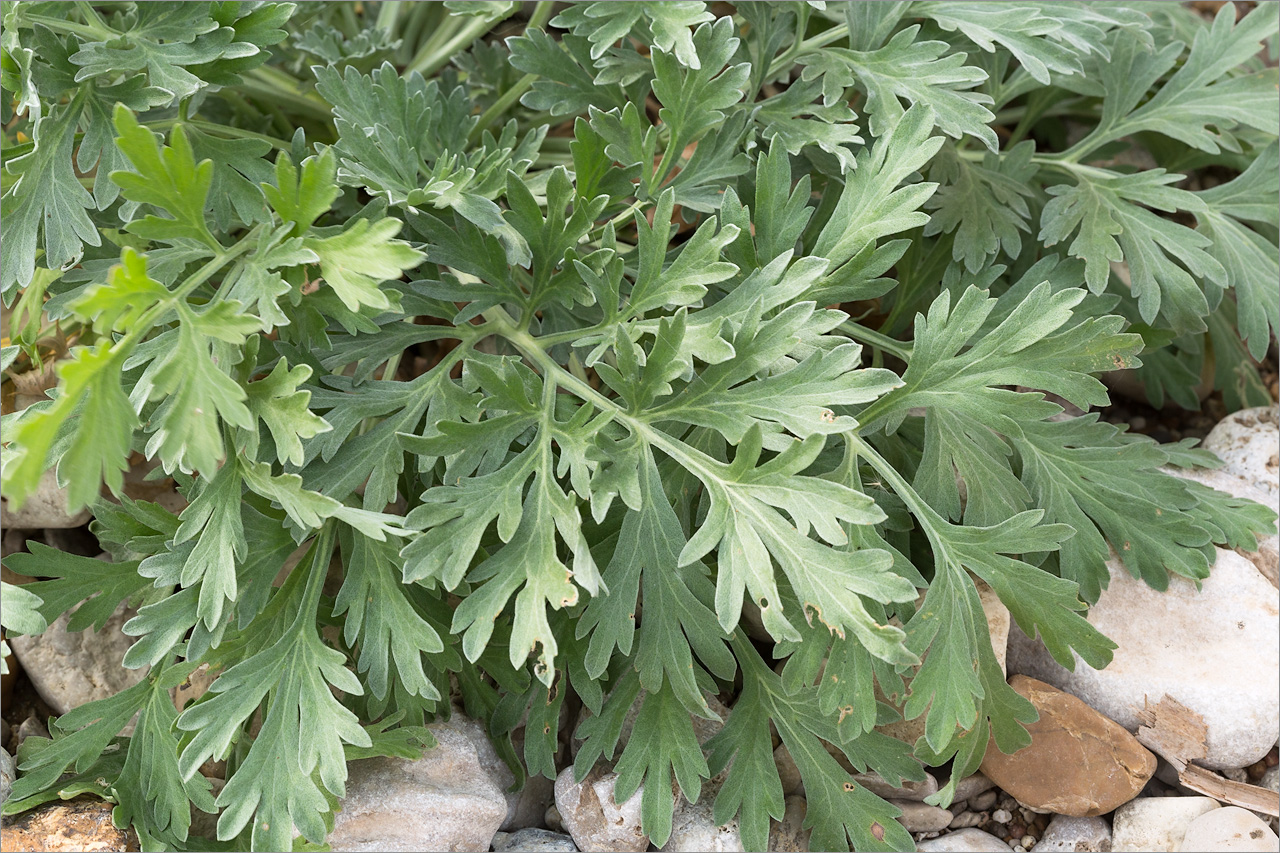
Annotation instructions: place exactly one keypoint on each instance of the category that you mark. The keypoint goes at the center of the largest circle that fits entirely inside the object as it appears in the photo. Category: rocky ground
(1102, 772)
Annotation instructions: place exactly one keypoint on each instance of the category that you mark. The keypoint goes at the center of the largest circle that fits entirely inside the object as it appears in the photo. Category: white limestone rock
(1229, 829)
(1248, 442)
(1155, 824)
(595, 820)
(447, 800)
(1075, 835)
(1217, 651)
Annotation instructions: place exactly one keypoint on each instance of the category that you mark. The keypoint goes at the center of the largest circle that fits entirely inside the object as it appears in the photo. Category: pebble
(1156, 824)
(30, 727)
(8, 772)
(1217, 651)
(1228, 829)
(450, 799)
(82, 825)
(71, 669)
(1248, 442)
(967, 819)
(1075, 835)
(922, 817)
(1001, 816)
(590, 814)
(533, 841)
(983, 801)
(964, 841)
(972, 786)
(1079, 762)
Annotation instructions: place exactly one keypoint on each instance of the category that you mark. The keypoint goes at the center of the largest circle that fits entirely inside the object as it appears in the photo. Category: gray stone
(974, 786)
(964, 841)
(1271, 779)
(964, 820)
(446, 800)
(1075, 835)
(595, 820)
(71, 669)
(789, 835)
(1229, 829)
(1248, 442)
(1155, 824)
(922, 817)
(533, 841)
(30, 727)
(45, 507)
(8, 772)
(1217, 651)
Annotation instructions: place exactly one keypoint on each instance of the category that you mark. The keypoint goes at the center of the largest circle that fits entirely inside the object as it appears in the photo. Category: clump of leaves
(562, 340)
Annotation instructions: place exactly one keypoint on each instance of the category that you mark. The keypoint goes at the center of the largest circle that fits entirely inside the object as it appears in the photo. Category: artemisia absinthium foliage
(556, 338)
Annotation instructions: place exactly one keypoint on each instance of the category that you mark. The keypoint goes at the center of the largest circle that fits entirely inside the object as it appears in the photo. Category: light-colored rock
(45, 507)
(82, 825)
(922, 817)
(1267, 556)
(964, 841)
(1248, 442)
(590, 814)
(997, 621)
(1155, 824)
(1229, 829)
(1079, 762)
(964, 820)
(693, 829)
(447, 800)
(533, 841)
(8, 772)
(788, 835)
(71, 669)
(1067, 834)
(692, 825)
(1217, 651)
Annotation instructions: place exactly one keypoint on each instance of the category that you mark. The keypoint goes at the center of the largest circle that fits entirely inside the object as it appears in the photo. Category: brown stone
(83, 824)
(1079, 762)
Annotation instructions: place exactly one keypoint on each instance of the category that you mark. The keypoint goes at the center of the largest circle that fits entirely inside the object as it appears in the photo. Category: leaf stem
(500, 106)
(431, 58)
(880, 341)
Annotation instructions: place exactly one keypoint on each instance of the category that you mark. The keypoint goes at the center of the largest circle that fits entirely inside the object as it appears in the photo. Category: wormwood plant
(556, 338)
